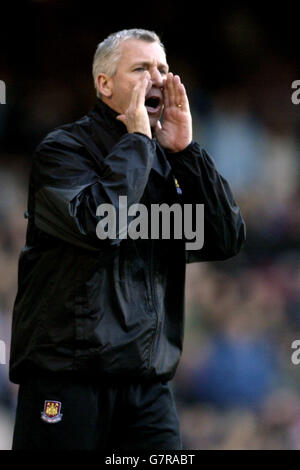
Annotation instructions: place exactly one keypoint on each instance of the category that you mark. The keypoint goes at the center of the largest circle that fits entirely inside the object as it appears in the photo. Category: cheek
(130, 86)
(124, 91)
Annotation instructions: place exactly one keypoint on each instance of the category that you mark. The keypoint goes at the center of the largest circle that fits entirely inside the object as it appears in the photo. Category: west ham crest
(51, 413)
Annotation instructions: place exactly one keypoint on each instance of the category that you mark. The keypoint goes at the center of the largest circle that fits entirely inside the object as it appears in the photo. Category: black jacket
(111, 307)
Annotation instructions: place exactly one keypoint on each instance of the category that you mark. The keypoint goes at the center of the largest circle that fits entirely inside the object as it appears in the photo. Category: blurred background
(236, 386)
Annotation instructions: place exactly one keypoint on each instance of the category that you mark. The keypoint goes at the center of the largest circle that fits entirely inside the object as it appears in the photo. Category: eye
(163, 72)
(139, 69)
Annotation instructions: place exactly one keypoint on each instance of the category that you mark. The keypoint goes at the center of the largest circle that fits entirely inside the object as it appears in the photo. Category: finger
(141, 93)
(170, 88)
(158, 126)
(142, 89)
(135, 94)
(180, 93)
(166, 96)
(121, 118)
(157, 129)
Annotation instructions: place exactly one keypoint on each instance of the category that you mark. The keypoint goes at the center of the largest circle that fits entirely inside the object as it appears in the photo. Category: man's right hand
(136, 117)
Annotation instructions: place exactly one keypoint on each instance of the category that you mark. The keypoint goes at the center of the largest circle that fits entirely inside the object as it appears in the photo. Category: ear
(105, 85)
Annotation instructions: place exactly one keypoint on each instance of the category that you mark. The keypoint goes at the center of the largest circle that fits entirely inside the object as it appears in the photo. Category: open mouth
(153, 104)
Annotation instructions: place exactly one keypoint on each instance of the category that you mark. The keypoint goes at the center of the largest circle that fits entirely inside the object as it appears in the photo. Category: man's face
(136, 57)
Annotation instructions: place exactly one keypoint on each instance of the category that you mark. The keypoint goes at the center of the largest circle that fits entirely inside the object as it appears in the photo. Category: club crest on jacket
(51, 412)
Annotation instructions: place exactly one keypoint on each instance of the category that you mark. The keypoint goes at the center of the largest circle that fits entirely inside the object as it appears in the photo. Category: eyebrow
(147, 64)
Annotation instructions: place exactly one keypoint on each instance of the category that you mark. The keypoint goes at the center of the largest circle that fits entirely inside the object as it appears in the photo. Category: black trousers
(63, 414)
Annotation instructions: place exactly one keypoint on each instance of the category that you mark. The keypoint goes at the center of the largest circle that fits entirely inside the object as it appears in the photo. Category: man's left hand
(175, 134)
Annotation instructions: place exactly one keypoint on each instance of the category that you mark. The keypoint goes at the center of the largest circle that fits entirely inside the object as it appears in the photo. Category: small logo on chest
(51, 412)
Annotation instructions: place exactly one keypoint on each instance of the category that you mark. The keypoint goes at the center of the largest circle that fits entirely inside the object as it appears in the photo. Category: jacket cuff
(187, 151)
(143, 135)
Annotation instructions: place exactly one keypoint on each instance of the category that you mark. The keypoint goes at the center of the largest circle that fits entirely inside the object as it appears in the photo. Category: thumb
(157, 128)
(121, 118)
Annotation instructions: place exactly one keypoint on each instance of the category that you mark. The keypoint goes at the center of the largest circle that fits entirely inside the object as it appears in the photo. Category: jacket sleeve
(201, 183)
(69, 185)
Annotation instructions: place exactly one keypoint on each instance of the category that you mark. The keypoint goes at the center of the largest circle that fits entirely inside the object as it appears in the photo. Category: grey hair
(108, 54)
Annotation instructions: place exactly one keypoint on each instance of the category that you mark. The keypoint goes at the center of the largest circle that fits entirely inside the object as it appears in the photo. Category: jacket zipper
(153, 297)
(178, 195)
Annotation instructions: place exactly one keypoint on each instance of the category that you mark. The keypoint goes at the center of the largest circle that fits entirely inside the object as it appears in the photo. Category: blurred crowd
(236, 386)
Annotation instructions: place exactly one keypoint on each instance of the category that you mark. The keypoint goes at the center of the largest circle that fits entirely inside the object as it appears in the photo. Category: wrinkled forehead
(138, 50)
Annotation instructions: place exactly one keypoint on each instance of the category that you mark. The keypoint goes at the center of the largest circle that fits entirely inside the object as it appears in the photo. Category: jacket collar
(106, 116)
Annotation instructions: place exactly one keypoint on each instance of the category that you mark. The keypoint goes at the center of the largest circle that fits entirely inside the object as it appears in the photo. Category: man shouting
(97, 328)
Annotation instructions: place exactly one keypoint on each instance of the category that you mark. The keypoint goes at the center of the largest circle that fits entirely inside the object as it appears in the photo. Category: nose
(157, 78)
